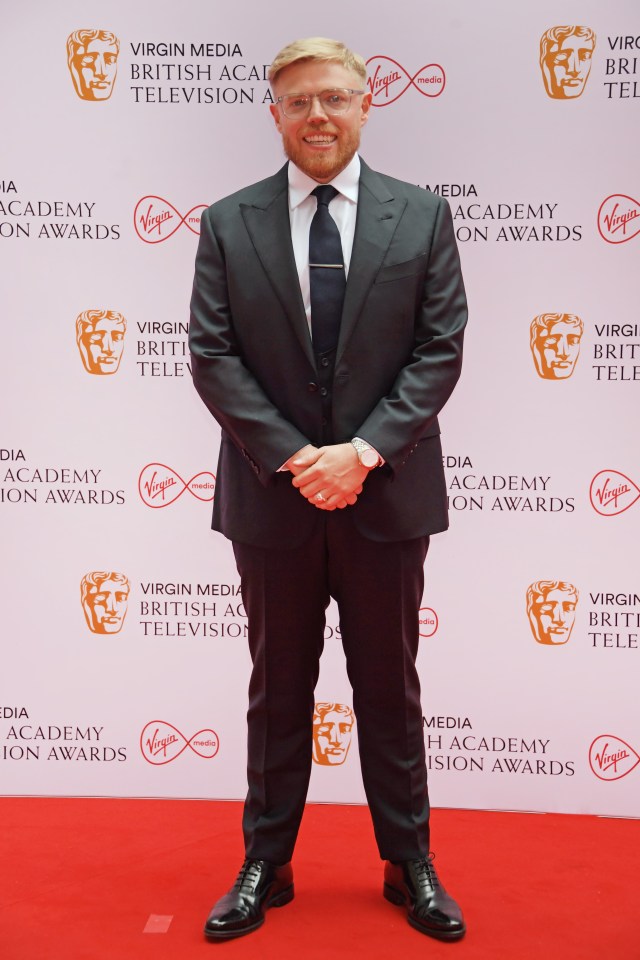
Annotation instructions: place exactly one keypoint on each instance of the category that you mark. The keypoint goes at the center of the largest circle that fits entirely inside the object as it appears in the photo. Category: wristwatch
(367, 456)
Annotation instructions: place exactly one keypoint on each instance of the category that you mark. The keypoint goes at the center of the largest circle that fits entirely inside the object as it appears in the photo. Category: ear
(364, 109)
(275, 113)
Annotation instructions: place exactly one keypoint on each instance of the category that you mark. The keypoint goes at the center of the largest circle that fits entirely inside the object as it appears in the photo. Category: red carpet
(83, 878)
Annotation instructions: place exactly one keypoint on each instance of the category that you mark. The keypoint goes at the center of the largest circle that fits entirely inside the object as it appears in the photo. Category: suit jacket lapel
(267, 222)
(377, 218)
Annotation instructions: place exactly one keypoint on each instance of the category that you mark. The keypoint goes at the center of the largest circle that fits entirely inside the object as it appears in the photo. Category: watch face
(369, 458)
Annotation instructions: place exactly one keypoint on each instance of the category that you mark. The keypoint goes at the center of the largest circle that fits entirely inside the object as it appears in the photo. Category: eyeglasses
(336, 101)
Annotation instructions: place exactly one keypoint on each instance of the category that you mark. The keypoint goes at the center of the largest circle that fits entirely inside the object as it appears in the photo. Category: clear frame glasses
(335, 101)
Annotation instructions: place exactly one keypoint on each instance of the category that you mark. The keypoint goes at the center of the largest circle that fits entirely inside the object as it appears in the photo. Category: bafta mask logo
(565, 60)
(332, 725)
(100, 339)
(104, 599)
(551, 608)
(555, 344)
(92, 58)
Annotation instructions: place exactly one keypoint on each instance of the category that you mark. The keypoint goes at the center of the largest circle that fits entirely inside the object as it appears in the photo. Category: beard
(322, 166)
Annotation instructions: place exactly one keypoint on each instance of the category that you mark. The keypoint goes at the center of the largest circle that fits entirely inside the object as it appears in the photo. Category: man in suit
(330, 477)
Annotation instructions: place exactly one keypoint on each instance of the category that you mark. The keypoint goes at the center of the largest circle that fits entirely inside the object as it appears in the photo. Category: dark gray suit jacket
(398, 358)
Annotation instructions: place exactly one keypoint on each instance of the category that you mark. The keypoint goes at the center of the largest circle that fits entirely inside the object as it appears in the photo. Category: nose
(562, 348)
(317, 113)
(100, 67)
(107, 345)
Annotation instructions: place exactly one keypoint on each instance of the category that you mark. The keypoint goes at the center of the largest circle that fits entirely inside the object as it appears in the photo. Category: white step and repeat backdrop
(125, 664)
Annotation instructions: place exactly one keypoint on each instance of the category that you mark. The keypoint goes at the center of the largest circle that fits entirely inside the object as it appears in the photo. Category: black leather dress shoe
(259, 885)
(414, 884)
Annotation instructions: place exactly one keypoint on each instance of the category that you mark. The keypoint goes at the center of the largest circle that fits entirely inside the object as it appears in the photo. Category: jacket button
(312, 387)
(324, 392)
(324, 362)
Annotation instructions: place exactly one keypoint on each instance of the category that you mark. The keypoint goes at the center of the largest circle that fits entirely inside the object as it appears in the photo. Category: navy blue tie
(326, 273)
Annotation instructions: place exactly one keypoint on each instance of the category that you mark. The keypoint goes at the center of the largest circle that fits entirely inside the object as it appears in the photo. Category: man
(104, 598)
(565, 60)
(332, 726)
(92, 58)
(555, 344)
(551, 608)
(100, 339)
(330, 476)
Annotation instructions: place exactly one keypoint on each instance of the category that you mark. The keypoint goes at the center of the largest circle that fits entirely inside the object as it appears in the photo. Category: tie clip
(332, 266)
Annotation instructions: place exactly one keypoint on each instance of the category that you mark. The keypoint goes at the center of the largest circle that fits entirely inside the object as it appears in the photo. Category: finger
(339, 501)
(319, 499)
(311, 489)
(305, 461)
(302, 458)
(305, 476)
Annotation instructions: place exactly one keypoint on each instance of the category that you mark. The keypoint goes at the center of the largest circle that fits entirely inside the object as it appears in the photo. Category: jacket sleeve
(229, 390)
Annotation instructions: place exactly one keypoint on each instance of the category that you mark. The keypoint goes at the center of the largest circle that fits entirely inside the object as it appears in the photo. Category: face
(552, 616)
(567, 66)
(95, 66)
(105, 606)
(102, 345)
(558, 348)
(321, 145)
(332, 738)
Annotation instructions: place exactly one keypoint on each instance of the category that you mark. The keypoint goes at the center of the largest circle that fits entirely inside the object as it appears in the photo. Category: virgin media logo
(428, 622)
(160, 485)
(611, 758)
(612, 492)
(156, 219)
(388, 80)
(161, 742)
(619, 218)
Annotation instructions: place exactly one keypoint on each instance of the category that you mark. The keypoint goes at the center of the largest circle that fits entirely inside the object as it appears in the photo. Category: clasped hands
(329, 477)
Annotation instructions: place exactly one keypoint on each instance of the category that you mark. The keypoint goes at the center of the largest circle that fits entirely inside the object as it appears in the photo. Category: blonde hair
(319, 49)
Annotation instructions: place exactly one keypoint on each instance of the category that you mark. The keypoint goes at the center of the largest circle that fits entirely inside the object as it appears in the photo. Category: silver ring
(319, 498)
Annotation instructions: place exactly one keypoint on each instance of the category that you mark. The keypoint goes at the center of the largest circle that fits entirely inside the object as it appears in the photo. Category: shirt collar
(301, 185)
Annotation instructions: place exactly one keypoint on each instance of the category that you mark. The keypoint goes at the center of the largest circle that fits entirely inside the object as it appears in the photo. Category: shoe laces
(249, 873)
(425, 870)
